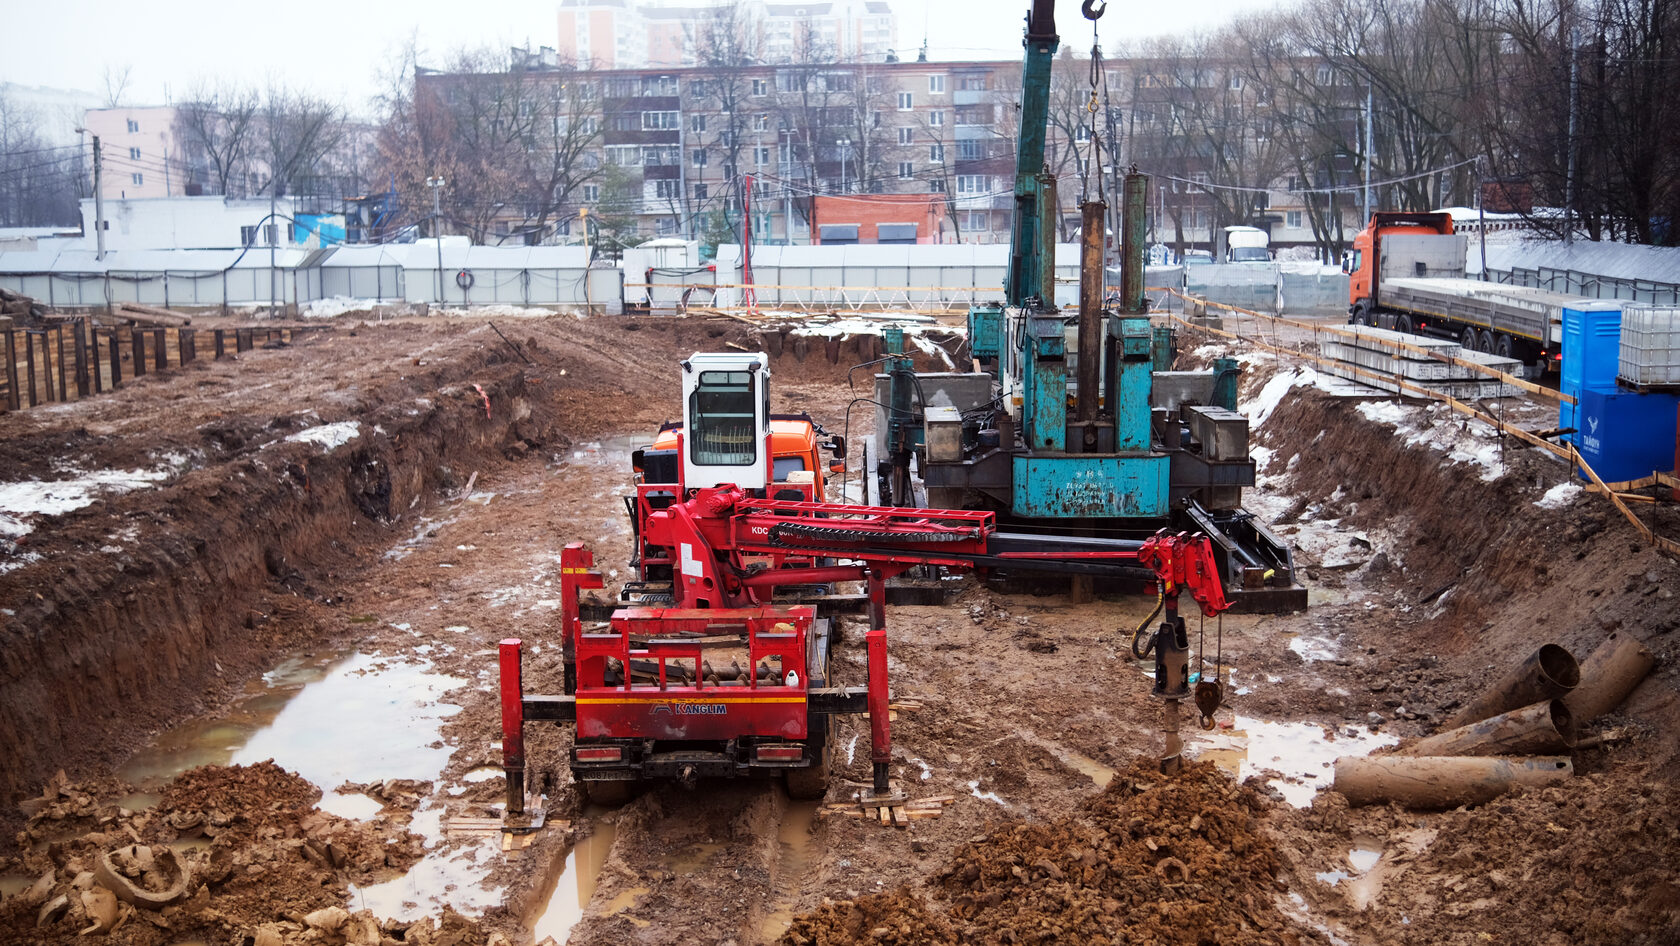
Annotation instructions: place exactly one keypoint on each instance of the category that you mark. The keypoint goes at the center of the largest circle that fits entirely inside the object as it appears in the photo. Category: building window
(906, 136)
(936, 85)
(976, 221)
(697, 123)
(699, 157)
(134, 154)
(660, 121)
(761, 155)
(699, 192)
(905, 101)
(138, 178)
(1292, 219)
(591, 193)
(973, 183)
(906, 170)
(665, 190)
(667, 226)
(972, 84)
(759, 86)
(761, 122)
(968, 150)
(1082, 133)
(936, 153)
(247, 236)
(133, 126)
(656, 156)
(1323, 75)
(624, 155)
(1236, 83)
(936, 118)
(937, 185)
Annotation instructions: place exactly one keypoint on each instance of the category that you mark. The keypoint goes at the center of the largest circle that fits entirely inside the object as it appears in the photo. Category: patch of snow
(24, 500)
(334, 306)
(329, 436)
(1558, 497)
(1271, 395)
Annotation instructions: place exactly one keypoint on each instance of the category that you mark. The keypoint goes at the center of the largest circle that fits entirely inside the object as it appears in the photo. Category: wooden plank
(137, 348)
(1575, 458)
(221, 345)
(58, 356)
(116, 361)
(161, 343)
(29, 360)
(11, 370)
(83, 386)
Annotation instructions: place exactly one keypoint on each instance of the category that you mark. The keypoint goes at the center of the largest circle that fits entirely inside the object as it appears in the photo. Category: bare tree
(218, 129)
(725, 47)
(116, 83)
(39, 183)
(298, 131)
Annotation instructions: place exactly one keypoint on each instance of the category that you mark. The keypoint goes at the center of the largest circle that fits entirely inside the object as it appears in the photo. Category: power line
(1314, 190)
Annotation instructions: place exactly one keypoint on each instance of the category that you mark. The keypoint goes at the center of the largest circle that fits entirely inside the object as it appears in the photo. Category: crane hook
(1092, 9)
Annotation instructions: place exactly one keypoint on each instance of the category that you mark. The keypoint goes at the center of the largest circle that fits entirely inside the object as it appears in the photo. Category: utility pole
(436, 184)
(98, 204)
(1368, 153)
(1569, 177)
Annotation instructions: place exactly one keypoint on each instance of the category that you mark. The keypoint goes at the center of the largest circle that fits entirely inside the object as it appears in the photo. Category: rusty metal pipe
(1548, 674)
(1610, 673)
(1435, 782)
(1049, 213)
(1544, 728)
(1092, 214)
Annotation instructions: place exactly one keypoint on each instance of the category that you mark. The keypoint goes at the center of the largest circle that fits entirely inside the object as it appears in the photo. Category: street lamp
(436, 184)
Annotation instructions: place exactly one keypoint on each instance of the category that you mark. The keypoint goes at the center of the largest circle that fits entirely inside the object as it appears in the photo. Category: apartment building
(690, 152)
(624, 34)
(139, 151)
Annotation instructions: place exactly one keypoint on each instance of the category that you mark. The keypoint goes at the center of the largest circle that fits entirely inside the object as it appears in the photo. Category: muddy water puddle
(331, 718)
(1300, 754)
(575, 884)
(798, 852)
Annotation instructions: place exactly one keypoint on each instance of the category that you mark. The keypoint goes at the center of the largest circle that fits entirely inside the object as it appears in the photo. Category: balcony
(969, 97)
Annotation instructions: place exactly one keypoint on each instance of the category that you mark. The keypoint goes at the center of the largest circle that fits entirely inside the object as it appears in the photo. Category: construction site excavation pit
(335, 606)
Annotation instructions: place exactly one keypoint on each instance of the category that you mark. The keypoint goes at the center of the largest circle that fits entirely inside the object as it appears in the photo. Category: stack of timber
(1521, 732)
(1394, 354)
(21, 309)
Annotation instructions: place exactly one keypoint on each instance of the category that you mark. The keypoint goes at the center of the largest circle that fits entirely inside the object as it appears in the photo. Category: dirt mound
(895, 918)
(1587, 862)
(1151, 859)
(242, 847)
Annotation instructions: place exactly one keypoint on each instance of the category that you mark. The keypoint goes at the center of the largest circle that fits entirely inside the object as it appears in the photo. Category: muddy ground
(264, 534)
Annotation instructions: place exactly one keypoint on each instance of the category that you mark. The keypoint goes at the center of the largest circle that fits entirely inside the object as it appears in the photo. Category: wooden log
(11, 370)
(137, 349)
(1548, 674)
(161, 343)
(78, 331)
(116, 361)
(29, 360)
(221, 345)
(1435, 782)
(152, 315)
(58, 356)
(1609, 674)
(1545, 728)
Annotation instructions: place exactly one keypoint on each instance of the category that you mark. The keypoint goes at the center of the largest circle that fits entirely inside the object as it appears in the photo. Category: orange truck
(1406, 273)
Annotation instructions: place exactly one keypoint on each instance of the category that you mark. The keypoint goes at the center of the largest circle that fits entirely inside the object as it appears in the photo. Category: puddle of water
(576, 884)
(695, 857)
(1365, 855)
(13, 884)
(483, 773)
(1091, 768)
(189, 845)
(797, 844)
(1314, 648)
(139, 801)
(1303, 752)
(451, 875)
(1331, 877)
(974, 787)
(355, 806)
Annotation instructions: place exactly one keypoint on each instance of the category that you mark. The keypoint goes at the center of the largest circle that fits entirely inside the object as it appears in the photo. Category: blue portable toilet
(1592, 333)
(1625, 435)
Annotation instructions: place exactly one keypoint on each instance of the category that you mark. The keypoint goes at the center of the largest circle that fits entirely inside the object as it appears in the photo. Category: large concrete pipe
(1548, 674)
(1540, 729)
(1608, 676)
(1440, 781)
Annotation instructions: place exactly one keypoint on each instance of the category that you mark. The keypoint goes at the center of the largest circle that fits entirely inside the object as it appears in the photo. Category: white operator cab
(726, 419)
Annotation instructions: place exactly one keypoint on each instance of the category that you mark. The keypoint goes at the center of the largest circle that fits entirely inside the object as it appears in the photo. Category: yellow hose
(1142, 628)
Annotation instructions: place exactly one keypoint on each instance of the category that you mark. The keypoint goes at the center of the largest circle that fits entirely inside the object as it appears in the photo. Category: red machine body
(647, 703)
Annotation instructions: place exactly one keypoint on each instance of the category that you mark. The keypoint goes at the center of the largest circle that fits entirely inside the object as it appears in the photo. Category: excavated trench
(100, 649)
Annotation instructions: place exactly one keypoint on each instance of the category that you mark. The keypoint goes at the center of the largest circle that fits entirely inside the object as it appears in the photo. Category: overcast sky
(339, 49)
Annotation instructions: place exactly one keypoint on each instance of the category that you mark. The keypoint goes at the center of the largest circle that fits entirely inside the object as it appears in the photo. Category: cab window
(721, 408)
(787, 465)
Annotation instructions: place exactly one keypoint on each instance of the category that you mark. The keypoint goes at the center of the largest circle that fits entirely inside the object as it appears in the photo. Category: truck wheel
(608, 794)
(810, 782)
(1403, 324)
(1361, 314)
(1484, 342)
(1502, 347)
(1467, 341)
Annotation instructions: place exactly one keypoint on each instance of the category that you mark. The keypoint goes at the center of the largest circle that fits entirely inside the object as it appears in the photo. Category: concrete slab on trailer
(1416, 367)
(1463, 390)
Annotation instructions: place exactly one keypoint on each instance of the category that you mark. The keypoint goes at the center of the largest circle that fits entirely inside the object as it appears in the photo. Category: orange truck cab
(1365, 263)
